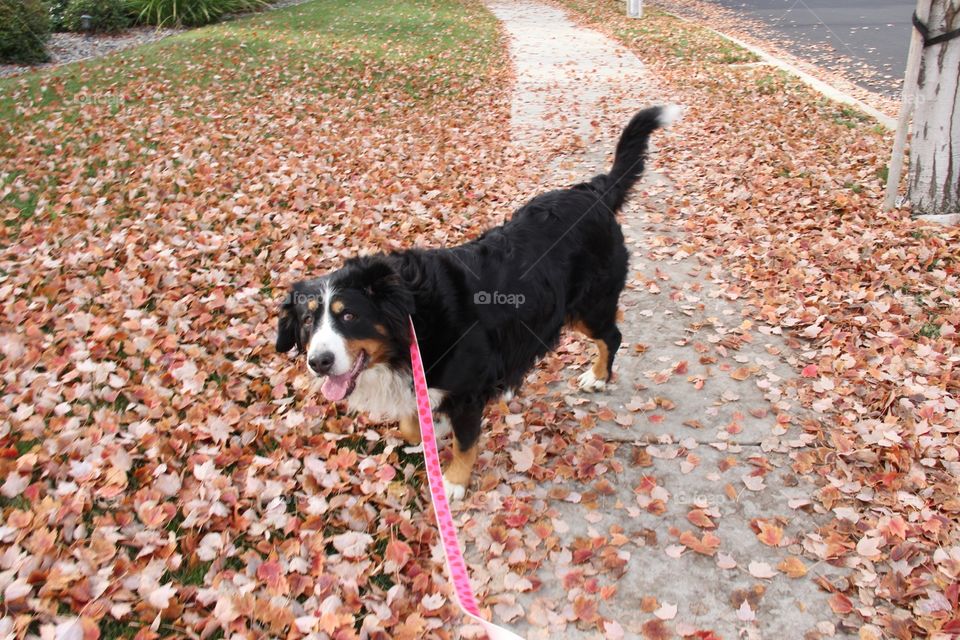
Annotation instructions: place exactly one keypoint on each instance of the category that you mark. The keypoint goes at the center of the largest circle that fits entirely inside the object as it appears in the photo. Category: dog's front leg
(465, 421)
(410, 429)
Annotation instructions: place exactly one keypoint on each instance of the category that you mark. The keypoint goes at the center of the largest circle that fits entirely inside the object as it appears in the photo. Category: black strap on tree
(925, 33)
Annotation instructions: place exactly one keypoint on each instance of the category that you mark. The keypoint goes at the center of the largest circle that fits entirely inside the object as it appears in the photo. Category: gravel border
(65, 48)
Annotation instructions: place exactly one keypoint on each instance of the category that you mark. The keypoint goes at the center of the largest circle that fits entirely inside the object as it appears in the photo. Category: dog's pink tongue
(335, 387)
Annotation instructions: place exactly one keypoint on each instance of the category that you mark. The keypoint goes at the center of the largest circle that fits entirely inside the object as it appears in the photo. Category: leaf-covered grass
(321, 49)
(383, 39)
(156, 202)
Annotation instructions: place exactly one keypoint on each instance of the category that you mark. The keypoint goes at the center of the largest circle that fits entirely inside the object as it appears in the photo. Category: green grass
(16, 502)
(730, 53)
(25, 446)
(25, 204)
(767, 84)
(192, 575)
(845, 116)
(234, 563)
(112, 629)
(856, 187)
(381, 580)
(929, 330)
(358, 34)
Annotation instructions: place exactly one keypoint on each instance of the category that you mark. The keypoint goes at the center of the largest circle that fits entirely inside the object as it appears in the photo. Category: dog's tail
(631, 150)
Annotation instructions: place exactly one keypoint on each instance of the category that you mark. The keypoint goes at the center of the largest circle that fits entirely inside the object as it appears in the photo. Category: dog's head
(347, 321)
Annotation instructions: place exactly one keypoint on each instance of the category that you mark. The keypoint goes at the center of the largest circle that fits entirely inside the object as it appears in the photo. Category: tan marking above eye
(336, 306)
(312, 305)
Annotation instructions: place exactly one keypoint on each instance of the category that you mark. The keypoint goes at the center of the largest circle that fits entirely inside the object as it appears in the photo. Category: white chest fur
(387, 395)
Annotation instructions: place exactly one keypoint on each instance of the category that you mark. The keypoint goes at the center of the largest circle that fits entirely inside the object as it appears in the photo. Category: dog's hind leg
(602, 329)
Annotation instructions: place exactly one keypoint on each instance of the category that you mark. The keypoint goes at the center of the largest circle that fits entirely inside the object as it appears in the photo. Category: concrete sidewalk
(682, 461)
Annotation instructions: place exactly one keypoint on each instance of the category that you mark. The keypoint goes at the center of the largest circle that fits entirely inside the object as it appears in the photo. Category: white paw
(590, 382)
(454, 491)
(507, 395)
(441, 425)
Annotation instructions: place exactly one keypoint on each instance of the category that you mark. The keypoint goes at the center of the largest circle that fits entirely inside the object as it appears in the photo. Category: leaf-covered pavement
(784, 190)
(677, 469)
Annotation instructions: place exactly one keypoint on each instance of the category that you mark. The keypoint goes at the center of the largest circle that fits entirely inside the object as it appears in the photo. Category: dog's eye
(348, 317)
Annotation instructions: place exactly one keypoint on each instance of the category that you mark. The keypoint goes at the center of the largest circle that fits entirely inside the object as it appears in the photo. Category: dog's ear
(382, 283)
(288, 327)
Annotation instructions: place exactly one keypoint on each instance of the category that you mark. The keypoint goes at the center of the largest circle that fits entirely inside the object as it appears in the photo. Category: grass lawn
(323, 52)
(160, 457)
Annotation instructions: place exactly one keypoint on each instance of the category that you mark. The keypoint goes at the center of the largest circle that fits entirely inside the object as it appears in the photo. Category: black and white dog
(484, 311)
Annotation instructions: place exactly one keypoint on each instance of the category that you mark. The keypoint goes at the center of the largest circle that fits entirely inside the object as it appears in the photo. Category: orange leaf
(793, 567)
(840, 604)
(770, 534)
(730, 491)
(700, 519)
(707, 545)
(586, 609)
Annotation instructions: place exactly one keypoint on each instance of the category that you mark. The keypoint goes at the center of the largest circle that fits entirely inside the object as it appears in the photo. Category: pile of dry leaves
(163, 471)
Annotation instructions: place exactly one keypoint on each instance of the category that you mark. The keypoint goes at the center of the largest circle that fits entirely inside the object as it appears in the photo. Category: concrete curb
(945, 219)
(811, 81)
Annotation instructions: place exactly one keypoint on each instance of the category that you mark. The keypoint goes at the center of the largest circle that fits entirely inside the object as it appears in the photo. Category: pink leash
(456, 567)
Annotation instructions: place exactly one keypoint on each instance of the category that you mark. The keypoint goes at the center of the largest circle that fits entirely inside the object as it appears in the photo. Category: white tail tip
(670, 113)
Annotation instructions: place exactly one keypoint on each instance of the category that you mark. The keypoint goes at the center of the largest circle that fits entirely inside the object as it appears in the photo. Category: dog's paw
(589, 382)
(441, 425)
(454, 491)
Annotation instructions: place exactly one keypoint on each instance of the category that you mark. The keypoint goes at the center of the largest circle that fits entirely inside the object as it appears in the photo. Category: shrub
(24, 31)
(190, 13)
(107, 16)
(57, 9)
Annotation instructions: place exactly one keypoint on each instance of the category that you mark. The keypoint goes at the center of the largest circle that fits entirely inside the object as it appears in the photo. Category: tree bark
(935, 147)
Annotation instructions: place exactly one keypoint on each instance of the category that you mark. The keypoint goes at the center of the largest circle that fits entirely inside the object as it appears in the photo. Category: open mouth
(336, 388)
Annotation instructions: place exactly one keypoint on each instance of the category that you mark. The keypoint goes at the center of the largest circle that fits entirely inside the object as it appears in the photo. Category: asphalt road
(867, 40)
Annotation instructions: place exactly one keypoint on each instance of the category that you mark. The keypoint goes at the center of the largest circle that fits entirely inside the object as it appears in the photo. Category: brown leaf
(655, 629)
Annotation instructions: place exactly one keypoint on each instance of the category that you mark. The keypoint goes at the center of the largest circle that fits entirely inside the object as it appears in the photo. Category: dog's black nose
(321, 363)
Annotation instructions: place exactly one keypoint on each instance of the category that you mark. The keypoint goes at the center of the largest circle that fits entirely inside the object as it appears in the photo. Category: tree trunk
(935, 147)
